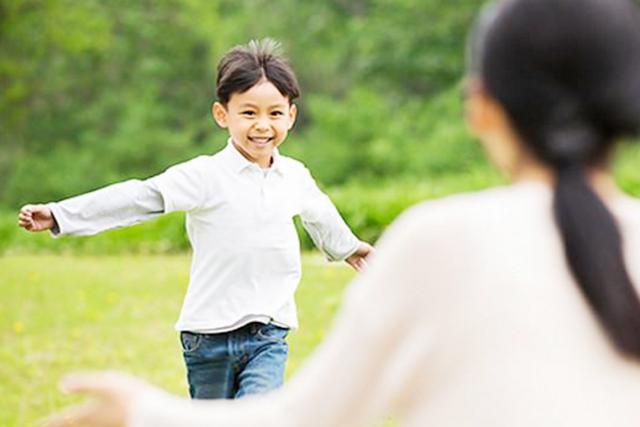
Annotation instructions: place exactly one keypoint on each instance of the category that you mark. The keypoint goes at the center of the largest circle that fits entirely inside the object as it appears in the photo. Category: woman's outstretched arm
(364, 367)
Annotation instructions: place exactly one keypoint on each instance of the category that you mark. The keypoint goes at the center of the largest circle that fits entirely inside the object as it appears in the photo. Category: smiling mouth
(260, 140)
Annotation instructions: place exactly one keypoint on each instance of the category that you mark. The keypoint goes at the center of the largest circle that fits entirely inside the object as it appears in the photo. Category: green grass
(67, 313)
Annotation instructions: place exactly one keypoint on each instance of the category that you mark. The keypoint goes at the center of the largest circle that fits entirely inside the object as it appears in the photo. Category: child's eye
(248, 113)
(277, 113)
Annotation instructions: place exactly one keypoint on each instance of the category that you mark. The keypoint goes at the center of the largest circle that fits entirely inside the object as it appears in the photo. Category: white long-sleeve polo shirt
(239, 219)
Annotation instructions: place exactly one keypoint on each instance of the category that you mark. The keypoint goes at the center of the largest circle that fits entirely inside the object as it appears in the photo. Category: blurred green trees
(97, 91)
(93, 92)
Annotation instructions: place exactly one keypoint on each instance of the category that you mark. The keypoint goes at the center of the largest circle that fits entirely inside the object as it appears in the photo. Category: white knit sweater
(468, 316)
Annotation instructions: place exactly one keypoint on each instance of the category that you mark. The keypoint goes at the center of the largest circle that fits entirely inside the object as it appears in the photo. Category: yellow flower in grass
(18, 327)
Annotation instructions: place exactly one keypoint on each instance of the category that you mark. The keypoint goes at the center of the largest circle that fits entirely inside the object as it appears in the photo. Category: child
(240, 204)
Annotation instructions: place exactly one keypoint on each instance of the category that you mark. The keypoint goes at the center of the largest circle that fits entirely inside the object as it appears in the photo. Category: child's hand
(358, 260)
(35, 218)
(114, 395)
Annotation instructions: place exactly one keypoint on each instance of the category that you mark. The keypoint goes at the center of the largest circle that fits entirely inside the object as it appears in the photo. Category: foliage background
(95, 92)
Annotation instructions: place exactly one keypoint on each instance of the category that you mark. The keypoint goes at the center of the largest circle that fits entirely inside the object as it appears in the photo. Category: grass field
(68, 313)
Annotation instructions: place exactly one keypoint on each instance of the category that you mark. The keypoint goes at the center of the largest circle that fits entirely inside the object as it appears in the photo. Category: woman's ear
(293, 113)
(477, 107)
(220, 114)
(484, 115)
(488, 121)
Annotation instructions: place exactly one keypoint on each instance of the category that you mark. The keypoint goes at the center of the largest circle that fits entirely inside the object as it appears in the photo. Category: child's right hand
(36, 218)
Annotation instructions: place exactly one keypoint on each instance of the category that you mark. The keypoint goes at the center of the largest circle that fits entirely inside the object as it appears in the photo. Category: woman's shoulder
(451, 239)
(628, 206)
(498, 205)
(465, 223)
(627, 213)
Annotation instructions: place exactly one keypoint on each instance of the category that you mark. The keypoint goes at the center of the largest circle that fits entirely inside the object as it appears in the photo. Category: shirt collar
(239, 163)
(277, 164)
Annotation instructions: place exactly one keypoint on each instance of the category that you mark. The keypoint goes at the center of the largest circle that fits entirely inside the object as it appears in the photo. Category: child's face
(258, 120)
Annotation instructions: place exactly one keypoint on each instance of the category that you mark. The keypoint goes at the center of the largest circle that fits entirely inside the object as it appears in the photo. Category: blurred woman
(515, 306)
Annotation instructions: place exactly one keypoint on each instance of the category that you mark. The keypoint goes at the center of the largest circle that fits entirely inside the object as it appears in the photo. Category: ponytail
(593, 249)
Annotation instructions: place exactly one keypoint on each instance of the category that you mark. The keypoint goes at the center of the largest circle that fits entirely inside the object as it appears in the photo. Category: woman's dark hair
(244, 66)
(567, 73)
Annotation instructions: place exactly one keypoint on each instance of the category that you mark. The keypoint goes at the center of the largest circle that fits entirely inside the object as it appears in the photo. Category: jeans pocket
(272, 333)
(190, 341)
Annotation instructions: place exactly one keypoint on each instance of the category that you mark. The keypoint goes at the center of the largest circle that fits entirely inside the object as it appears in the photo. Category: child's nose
(262, 123)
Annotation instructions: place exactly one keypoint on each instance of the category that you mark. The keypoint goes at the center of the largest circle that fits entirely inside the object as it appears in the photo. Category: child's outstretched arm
(114, 206)
(179, 188)
(328, 230)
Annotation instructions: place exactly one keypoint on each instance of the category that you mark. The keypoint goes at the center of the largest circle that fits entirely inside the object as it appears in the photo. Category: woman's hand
(114, 395)
(358, 260)
(36, 218)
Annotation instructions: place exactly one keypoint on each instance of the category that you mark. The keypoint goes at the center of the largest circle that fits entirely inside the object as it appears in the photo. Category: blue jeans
(233, 364)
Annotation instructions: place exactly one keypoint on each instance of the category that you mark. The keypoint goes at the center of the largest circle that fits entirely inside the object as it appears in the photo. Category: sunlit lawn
(67, 313)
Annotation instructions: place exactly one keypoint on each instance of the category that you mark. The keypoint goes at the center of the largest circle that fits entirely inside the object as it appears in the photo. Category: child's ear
(293, 113)
(219, 113)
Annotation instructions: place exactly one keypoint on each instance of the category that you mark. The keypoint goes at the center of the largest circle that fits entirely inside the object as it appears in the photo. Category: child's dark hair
(244, 66)
(567, 72)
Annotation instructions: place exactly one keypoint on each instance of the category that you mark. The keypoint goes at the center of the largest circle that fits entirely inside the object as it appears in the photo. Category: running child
(239, 204)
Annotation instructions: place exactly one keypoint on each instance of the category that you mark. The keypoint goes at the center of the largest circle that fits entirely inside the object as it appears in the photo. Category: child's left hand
(358, 260)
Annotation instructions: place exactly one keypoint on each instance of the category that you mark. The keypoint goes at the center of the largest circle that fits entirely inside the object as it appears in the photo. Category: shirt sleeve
(114, 206)
(183, 187)
(367, 366)
(324, 224)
